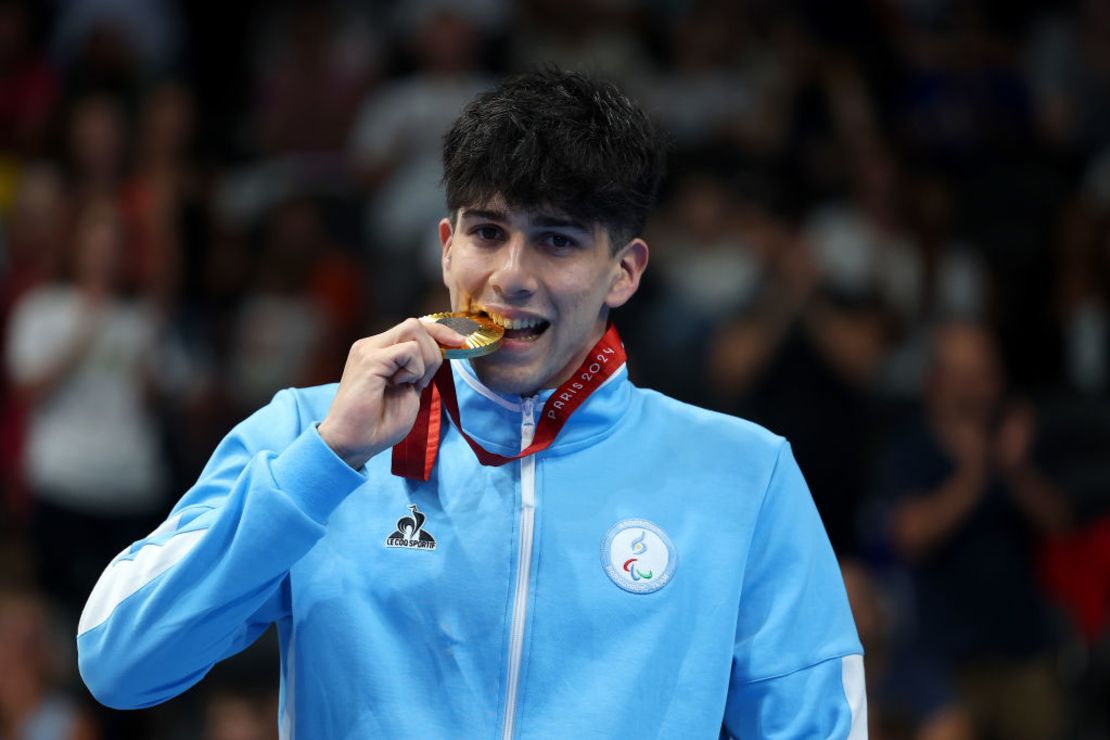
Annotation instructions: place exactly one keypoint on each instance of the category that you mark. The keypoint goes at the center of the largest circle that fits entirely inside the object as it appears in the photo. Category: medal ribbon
(415, 455)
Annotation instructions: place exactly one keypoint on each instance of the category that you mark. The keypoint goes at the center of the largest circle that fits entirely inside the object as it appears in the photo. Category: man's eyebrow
(486, 214)
(540, 221)
(545, 221)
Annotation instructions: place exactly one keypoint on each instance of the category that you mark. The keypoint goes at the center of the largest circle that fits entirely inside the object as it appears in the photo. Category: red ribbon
(415, 455)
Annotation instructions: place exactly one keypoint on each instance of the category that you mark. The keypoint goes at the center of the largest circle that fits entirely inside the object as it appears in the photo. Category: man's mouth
(520, 329)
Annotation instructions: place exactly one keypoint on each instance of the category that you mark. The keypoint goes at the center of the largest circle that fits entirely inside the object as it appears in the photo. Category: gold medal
(482, 335)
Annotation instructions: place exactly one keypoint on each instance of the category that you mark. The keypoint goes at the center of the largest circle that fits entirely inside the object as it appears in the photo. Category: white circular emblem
(638, 556)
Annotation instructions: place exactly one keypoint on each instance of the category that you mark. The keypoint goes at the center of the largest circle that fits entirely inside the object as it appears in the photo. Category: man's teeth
(516, 323)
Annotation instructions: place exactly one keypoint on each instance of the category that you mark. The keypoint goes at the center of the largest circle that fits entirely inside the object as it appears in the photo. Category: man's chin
(506, 378)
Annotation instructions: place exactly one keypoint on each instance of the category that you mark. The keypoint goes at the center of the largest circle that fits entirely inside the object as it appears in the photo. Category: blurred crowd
(885, 235)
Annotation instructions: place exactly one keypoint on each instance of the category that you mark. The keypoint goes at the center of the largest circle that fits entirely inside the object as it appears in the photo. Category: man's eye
(559, 241)
(487, 233)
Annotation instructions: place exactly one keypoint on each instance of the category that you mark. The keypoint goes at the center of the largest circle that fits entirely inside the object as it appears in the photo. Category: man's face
(548, 278)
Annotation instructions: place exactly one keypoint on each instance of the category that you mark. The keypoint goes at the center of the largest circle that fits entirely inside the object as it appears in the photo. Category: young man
(644, 568)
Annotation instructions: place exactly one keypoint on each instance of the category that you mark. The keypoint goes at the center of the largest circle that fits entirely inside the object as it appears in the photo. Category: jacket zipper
(524, 564)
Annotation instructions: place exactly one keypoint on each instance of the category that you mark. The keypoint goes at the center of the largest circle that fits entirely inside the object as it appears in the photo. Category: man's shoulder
(702, 426)
(314, 399)
(294, 409)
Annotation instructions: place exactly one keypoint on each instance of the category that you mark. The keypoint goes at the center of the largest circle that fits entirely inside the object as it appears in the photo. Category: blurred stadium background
(885, 234)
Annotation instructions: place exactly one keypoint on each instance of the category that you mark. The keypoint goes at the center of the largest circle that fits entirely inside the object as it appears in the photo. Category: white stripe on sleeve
(167, 526)
(124, 577)
(855, 690)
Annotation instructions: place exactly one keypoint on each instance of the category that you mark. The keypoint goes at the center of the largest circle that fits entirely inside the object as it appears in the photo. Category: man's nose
(513, 275)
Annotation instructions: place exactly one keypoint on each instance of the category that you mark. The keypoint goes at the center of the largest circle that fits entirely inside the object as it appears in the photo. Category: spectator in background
(240, 713)
(394, 147)
(909, 697)
(710, 269)
(862, 247)
(28, 85)
(114, 43)
(96, 136)
(1068, 66)
(955, 282)
(32, 707)
(967, 503)
(813, 344)
(700, 96)
(314, 63)
(594, 35)
(301, 311)
(83, 358)
(963, 95)
(36, 239)
(159, 192)
(1082, 289)
(840, 291)
(799, 356)
(951, 282)
(36, 232)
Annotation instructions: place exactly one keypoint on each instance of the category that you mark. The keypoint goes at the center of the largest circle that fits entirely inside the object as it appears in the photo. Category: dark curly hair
(560, 140)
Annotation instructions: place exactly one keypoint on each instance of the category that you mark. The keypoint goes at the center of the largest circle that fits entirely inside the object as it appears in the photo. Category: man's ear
(446, 234)
(628, 266)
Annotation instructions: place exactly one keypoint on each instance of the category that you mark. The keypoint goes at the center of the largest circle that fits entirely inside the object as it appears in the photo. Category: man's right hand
(379, 393)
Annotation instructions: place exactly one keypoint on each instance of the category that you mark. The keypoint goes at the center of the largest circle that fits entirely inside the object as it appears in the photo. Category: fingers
(443, 334)
(408, 362)
(421, 330)
(431, 354)
(427, 336)
(410, 352)
(378, 394)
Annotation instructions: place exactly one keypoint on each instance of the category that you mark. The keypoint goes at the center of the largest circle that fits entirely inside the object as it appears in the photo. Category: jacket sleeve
(210, 579)
(797, 668)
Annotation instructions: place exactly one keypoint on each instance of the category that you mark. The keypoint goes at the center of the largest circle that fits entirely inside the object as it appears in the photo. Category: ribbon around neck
(415, 455)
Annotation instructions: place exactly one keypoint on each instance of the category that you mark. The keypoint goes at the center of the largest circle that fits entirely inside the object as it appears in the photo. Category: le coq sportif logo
(410, 532)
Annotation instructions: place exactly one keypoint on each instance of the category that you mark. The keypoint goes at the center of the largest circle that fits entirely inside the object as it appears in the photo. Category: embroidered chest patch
(638, 556)
(410, 532)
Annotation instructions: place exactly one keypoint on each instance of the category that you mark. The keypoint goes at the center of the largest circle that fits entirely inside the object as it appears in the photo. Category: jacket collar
(494, 419)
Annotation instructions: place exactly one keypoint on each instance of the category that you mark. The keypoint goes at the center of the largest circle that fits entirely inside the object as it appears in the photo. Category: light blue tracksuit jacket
(659, 571)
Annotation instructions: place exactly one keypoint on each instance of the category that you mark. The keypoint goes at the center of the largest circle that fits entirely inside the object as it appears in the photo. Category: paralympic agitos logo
(638, 548)
(638, 556)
